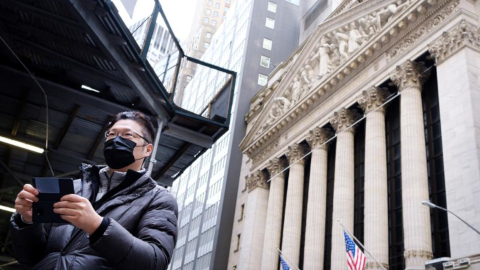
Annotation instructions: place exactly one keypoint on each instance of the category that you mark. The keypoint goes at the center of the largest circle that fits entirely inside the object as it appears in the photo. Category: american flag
(355, 257)
(284, 264)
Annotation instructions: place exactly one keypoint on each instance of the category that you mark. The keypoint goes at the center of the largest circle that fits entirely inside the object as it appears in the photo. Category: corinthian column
(317, 200)
(409, 78)
(376, 193)
(343, 192)
(292, 228)
(273, 228)
(255, 216)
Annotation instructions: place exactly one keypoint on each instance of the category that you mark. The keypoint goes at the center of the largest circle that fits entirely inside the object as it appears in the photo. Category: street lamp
(433, 206)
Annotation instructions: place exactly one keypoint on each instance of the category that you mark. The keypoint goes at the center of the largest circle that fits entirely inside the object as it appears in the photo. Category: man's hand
(23, 202)
(78, 211)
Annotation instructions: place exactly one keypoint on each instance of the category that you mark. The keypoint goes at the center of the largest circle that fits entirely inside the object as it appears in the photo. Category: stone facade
(317, 97)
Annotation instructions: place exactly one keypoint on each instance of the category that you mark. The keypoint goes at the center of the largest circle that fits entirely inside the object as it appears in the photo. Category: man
(119, 217)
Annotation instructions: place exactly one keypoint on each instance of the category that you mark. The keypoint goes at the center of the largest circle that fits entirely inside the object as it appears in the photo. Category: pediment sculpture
(332, 50)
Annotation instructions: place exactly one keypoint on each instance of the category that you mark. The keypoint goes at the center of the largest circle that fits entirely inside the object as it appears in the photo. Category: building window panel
(208, 35)
(209, 11)
(262, 79)
(214, 23)
(206, 45)
(295, 2)
(210, 2)
(265, 61)
(272, 7)
(206, 20)
(217, 5)
(215, 14)
(267, 44)
(270, 23)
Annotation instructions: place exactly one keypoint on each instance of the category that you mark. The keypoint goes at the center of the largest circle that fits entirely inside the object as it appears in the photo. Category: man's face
(131, 130)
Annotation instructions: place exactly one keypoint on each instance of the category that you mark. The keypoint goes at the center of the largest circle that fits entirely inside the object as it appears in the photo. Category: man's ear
(149, 149)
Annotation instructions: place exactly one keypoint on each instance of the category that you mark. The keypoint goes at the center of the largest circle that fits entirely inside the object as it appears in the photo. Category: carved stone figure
(296, 90)
(304, 76)
(324, 57)
(366, 26)
(389, 13)
(355, 38)
(312, 76)
(342, 39)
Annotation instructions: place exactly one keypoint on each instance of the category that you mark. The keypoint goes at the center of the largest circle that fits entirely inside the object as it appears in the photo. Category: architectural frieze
(319, 136)
(372, 98)
(441, 13)
(462, 35)
(374, 265)
(282, 109)
(409, 74)
(343, 119)
(257, 179)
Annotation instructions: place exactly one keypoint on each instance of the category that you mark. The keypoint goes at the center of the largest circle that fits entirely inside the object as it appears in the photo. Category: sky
(179, 13)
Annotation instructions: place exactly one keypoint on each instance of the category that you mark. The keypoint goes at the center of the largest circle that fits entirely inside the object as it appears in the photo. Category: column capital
(257, 179)
(275, 166)
(295, 153)
(464, 34)
(373, 98)
(409, 74)
(319, 136)
(344, 118)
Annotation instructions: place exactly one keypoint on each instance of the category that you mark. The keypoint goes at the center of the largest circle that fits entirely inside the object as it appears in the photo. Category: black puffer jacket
(141, 234)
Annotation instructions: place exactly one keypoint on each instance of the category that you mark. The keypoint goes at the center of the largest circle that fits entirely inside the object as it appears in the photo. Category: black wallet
(51, 190)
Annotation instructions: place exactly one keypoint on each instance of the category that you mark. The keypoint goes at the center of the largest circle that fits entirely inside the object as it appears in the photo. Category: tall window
(208, 11)
(436, 176)
(225, 9)
(394, 179)
(206, 20)
(270, 23)
(359, 196)
(328, 223)
(267, 44)
(272, 7)
(206, 45)
(210, 2)
(208, 35)
(214, 23)
(215, 14)
(265, 61)
(217, 5)
(262, 79)
(295, 2)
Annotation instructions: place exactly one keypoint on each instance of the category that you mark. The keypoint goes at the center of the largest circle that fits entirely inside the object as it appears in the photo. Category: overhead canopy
(75, 43)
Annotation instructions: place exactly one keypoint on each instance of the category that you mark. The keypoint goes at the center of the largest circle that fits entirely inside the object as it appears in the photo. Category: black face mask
(118, 152)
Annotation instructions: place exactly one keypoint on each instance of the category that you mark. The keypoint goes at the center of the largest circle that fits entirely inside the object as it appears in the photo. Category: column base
(375, 266)
(415, 259)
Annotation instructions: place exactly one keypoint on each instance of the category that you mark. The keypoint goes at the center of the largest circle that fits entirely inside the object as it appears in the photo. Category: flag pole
(286, 258)
(360, 243)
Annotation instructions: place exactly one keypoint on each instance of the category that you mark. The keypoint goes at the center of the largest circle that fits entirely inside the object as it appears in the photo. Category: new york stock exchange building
(375, 113)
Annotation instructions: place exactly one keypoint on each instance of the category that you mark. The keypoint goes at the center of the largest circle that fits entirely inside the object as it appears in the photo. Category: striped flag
(284, 264)
(355, 257)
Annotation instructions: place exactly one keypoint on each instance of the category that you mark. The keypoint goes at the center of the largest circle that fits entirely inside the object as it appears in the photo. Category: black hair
(148, 129)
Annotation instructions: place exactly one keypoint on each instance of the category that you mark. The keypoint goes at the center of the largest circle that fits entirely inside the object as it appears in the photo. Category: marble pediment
(338, 49)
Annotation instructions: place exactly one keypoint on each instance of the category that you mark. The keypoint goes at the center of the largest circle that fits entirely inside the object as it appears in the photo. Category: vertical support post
(152, 160)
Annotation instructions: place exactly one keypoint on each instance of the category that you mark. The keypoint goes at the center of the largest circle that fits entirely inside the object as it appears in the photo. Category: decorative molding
(265, 153)
(257, 179)
(418, 253)
(275, 166)
(373, 98)
(407, 42)
(463, 35)
(295, 153)
(344, 118)
(409, 74)
(319, 136)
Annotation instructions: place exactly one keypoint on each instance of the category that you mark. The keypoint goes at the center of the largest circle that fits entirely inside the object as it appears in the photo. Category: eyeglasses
(126, 134)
